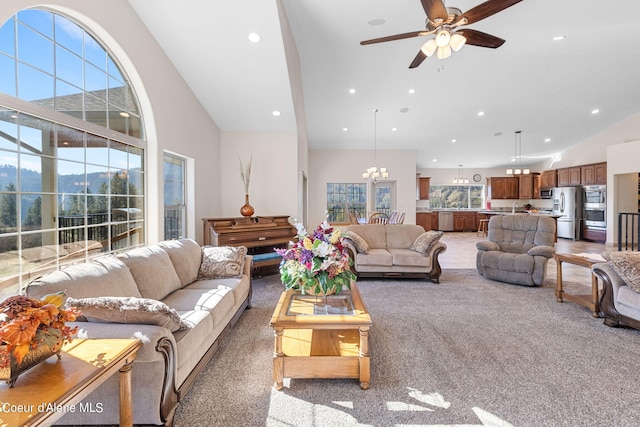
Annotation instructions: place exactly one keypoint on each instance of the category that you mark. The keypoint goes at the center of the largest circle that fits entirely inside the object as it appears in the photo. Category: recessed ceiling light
(345, 129)
(480, 113)
(394, 129)
(412, 91)
(556, 38)
(124, 114)
(254, 37)
(547, 140)
(352, 90)
(378, 21)
(434, 160)
(276, 113)
(404, 110)
(454, 140)
(595, 111)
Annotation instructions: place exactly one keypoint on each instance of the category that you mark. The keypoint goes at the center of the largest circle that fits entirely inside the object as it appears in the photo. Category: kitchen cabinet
(435, 225)
(424, 219)
(423, 188)
(548, 179)
(529, 186)
(502, 187)
(464, 221)
(594, 174)
(569, 176)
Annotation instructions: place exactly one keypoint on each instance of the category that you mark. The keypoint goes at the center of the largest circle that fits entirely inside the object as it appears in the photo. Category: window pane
(95, 81)
(35, 49)
(97, 150)
(344, 198)
(35, 86)
(39, 20)
(38, 211)
(8, 210)
(68, 34)
(68, 66)
(8, 170)
(8, 73)
(70, 144)
(97, 179)
(8, 130)
(456, 196)
(9, 257)
(94, 53)
(71, 177)
(95, 110)
(7, 39)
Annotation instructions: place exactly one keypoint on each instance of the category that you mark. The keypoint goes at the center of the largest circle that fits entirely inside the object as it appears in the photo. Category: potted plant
(317, 263)
(31, 331)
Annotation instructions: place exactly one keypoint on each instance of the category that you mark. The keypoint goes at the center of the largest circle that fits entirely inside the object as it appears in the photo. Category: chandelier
(460, 179)
(518, 170)
(373, 173)
(444, 42)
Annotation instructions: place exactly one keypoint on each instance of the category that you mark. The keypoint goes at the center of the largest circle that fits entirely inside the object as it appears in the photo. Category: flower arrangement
(21, 318)
(317, 263)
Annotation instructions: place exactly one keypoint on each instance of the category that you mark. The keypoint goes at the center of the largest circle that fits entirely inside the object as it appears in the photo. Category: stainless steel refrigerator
(567, 202)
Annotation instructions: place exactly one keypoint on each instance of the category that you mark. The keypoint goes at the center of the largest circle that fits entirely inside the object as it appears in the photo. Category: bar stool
(483, 227)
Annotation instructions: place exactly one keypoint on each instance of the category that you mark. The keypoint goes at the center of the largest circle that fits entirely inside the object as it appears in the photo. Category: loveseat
(179, 299)
(393, 250)
(517, 249)
(620, 278)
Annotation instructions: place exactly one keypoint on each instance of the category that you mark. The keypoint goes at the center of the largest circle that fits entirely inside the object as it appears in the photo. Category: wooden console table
(592, 301)
(47, 391)
(258, 234)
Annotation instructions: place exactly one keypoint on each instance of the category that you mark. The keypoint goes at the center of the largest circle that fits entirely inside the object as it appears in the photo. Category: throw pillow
(627, 265)
(425, 241)
(222, 261)
(130, 310)
(360, 244)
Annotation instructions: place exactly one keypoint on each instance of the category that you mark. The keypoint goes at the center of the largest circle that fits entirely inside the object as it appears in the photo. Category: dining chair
(379, 218)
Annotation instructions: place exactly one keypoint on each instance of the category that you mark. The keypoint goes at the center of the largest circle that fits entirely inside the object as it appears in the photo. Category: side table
(47, 391)
(591, 301)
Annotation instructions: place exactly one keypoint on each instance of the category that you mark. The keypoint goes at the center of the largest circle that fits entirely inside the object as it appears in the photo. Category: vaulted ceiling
(546, 88)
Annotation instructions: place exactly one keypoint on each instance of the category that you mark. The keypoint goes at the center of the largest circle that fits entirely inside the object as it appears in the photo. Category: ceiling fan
(444, 22)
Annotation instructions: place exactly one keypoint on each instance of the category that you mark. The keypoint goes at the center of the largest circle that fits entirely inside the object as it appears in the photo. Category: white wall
(347, 166)
(274, 173)
(174, 119)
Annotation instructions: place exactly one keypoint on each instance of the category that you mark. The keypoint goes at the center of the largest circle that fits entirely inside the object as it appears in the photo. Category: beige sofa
(394, 250)
(620, 278)
(153, 293)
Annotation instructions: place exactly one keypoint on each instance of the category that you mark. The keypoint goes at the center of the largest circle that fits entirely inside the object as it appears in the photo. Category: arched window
(70, 187)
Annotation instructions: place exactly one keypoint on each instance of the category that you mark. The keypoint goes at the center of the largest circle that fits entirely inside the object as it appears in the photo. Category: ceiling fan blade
(418, 59)
(486, 9)
(435, 9)
(396, 37)
(478, 38)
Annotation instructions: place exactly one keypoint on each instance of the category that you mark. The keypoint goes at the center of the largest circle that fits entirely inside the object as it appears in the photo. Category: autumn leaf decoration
(20, 319)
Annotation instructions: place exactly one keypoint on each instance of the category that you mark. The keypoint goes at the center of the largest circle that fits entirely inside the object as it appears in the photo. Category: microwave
(546, 193)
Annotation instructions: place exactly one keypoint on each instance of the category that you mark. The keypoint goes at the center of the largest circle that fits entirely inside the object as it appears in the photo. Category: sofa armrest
(605, 272)
(542, 250)
(487, 245)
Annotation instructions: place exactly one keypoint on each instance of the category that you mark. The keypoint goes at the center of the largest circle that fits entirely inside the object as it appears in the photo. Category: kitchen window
(456, 197)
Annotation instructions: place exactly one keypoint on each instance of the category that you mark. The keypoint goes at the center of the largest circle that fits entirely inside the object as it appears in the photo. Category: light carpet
(468, 351)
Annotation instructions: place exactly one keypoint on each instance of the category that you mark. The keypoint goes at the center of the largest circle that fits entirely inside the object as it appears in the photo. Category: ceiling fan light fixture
(444, 52)
(457, 41)
(429, 48)
(443, 37)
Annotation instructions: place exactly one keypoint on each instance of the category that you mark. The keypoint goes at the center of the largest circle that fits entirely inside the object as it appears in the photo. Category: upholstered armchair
(517, 249)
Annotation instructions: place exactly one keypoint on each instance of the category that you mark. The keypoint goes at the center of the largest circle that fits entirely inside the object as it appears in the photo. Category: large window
(175, 205)
(456, 196)
(68, 190)
(343, 198)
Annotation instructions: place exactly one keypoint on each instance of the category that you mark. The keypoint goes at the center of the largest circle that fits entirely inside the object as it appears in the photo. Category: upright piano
(259, 234)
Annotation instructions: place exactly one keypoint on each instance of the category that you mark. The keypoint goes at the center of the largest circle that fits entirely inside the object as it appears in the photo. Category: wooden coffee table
(321, 337)
(591, 301)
